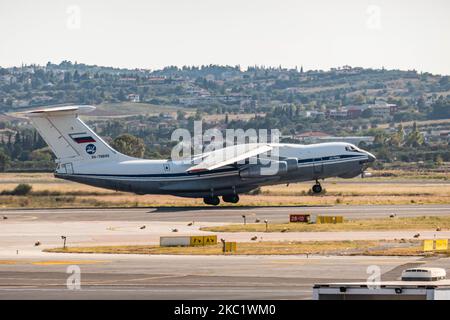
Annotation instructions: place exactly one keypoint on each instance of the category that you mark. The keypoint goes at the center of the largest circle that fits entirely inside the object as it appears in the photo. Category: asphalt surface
(222, 214)
(28, 273)
(190, 277)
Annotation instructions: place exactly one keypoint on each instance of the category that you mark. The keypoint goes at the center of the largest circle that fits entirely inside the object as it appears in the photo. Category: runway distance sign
(299, 218)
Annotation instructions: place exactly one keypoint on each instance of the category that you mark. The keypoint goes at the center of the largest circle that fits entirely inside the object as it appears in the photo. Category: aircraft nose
(371, 157)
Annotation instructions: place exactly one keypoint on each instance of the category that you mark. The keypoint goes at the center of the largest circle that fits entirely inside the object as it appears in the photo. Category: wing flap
(226, 156)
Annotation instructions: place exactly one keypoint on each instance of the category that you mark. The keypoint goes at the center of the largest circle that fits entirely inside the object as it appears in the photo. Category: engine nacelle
(292, 164)
(261, 171)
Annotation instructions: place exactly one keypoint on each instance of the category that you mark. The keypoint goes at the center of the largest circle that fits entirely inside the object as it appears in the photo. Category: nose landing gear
(317, 188)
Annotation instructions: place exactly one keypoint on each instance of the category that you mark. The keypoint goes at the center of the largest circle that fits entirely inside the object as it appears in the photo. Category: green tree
(397, 138)
(414, 138)
(441, 108)
(129, 145)
(4, 160)
(22, 189)
(439, 160)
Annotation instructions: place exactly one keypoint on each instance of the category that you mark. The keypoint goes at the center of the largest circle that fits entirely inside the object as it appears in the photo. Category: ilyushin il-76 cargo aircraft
(84, 157)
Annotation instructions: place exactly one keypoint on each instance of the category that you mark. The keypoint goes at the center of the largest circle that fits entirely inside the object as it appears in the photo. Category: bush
(255, 192)
(21, 190)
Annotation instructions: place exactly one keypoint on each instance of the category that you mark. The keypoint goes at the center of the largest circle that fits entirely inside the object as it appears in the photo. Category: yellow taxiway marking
(65, 262)
(8, 262)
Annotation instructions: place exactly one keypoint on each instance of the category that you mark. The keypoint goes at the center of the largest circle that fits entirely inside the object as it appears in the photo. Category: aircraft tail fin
(69, 137)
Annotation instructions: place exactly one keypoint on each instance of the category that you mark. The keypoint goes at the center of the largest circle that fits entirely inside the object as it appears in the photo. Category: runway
(222, 214)
(28, 273)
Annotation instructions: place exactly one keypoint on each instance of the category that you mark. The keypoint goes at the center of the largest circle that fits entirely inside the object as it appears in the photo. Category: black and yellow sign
(330, 219)
(435, 245)
(203, 240)
(230, 246)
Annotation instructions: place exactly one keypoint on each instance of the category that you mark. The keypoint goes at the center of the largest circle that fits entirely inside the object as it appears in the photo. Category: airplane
(84, 157)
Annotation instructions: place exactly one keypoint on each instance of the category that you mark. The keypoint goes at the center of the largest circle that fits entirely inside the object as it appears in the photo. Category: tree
(398, 137)
(129, 145)
(367, 113)
(43, 154)
(414, 138)
(421, 105)
(22, 189)
(4, 159)
(67, 77)
(379, 139)
(181, 115)
(439, 160)
(441, 108)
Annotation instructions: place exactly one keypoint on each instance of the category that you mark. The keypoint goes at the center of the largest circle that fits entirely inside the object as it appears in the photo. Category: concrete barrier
(183, 241)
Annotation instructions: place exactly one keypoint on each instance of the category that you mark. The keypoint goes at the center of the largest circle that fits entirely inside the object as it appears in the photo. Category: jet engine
(271, 169)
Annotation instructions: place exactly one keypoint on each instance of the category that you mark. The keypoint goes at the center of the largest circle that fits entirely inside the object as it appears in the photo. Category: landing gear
(214, 201)
(234, 198)
(317, 188)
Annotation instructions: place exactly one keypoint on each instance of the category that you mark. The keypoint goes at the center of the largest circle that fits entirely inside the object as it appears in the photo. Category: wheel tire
(214, 201)
(231, 198)
(317, 188)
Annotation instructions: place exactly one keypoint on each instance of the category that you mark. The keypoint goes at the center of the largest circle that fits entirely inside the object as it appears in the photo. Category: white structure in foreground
(416, 284)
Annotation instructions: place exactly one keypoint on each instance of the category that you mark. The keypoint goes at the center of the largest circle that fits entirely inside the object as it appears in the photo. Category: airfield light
(64, 241)
(245, 219)
(267, 225)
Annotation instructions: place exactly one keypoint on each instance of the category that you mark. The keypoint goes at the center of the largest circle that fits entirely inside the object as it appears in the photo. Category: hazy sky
(317, 34)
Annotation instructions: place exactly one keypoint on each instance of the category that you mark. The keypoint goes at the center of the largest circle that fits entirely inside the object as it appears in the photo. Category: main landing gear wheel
(211, 200)
(231, 198)
(317, 188)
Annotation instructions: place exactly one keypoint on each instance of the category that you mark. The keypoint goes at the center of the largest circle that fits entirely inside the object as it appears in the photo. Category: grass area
(65, 201)
(231, 117)
(414, 223)
(358, 188)
(419, 123)
(386, 248)
(129, 108)
(132, 200)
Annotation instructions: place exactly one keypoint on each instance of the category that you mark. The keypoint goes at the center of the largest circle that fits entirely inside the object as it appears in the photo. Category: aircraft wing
(223, 157)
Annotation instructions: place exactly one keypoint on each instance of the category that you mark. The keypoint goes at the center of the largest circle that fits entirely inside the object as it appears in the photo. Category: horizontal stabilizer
(58, 111)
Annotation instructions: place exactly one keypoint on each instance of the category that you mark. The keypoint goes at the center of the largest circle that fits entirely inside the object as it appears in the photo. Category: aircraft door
(68, 168)
(318, 166)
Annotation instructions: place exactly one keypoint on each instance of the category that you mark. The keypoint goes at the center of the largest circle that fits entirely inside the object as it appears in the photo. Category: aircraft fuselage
(305, 163)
